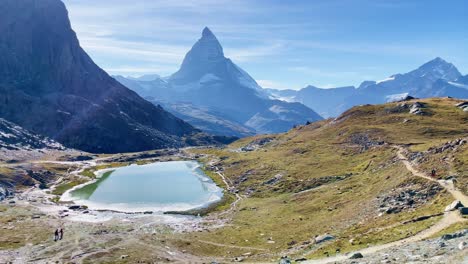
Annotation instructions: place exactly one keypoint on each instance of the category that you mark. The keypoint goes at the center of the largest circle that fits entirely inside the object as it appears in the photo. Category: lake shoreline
(215, 192)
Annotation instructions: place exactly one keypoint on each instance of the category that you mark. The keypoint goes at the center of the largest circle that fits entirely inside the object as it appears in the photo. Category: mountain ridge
(65, 95)
(435, 78)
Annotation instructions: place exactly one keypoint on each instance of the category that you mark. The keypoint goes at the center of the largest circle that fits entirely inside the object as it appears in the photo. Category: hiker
(56, 235)
(61, 233)
(433, 173)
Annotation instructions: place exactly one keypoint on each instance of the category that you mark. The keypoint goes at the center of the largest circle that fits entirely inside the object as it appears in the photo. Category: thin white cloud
(366, 48)
(146, 32)
(137, 71)
(140, 51)
(140, 36)
(254, 52)
(315, 73)
(320, 72)
(271, 84)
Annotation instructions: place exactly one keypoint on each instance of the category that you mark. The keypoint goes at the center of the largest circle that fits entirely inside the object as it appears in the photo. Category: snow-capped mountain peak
(206, 47)
(208, 80)
(206, 60)
(436, 69)
(206, 56)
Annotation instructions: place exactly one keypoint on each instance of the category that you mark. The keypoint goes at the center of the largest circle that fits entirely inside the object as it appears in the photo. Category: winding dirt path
(229, 187)
(447, 220)
(448, 185)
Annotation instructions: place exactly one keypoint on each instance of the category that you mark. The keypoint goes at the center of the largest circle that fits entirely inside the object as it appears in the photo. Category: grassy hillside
(336, 177)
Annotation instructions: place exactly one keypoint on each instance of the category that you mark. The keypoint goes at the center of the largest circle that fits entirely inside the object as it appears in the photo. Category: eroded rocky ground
(440, 250)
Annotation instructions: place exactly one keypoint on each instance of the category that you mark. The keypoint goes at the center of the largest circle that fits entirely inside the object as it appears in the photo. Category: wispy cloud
(138, 71)
(376, 48)
(130, 35)
(285, 42)
(271, 84)
(253, 52)
(317, 73)
(149, 52)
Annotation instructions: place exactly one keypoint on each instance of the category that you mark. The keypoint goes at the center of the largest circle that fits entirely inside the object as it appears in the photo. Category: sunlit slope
(341, 177)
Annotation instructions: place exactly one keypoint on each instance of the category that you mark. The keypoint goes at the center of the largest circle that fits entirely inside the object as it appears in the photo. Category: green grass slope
(333, 177)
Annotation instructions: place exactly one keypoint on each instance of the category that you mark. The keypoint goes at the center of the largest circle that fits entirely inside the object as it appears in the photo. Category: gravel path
(448, 219)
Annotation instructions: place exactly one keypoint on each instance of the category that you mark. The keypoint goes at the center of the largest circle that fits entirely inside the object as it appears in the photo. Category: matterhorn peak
(207, 46)
(207, 33)
(206, 56)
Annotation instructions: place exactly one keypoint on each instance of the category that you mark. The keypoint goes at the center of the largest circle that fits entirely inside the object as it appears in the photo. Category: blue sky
(282, 44)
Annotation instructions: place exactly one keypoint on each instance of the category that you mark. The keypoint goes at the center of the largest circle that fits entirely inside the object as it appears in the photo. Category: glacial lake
(157, 187)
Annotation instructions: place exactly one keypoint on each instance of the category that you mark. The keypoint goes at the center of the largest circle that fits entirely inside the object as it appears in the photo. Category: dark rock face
(49, 85)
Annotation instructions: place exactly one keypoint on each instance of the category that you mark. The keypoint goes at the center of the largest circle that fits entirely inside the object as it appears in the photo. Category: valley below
(320, 193)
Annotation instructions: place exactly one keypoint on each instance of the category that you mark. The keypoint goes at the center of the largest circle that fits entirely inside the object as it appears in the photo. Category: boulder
(462, 245)
(74, 207)
(463, 210)
(447, 237)
(462, 104)
(418, 105)
(3, 193)
(323, 238)
(455, 235)
(453, 206)
(356, 255)
(238, 259)
(284, 260)
(416, 108)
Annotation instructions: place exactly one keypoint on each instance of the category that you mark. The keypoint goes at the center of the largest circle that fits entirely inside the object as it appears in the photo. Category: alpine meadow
(259, 131)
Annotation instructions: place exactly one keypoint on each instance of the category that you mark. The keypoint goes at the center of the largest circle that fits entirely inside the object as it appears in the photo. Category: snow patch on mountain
(14, 137)
(460, 85)
(277, 109)
(396, 97)
(288, 99)
(391, 78)
(209, 77)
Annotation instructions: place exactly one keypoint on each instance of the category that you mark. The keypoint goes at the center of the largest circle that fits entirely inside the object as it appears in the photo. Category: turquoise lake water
(162, 186)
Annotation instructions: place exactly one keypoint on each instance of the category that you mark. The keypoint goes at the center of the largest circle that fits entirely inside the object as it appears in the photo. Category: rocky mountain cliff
(14, 137)
(209, 80)
(436, 78)
(49, 85)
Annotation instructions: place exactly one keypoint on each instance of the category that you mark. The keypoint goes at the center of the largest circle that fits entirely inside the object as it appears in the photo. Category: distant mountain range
(436, 78)
(50, 86)
(216, 95)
